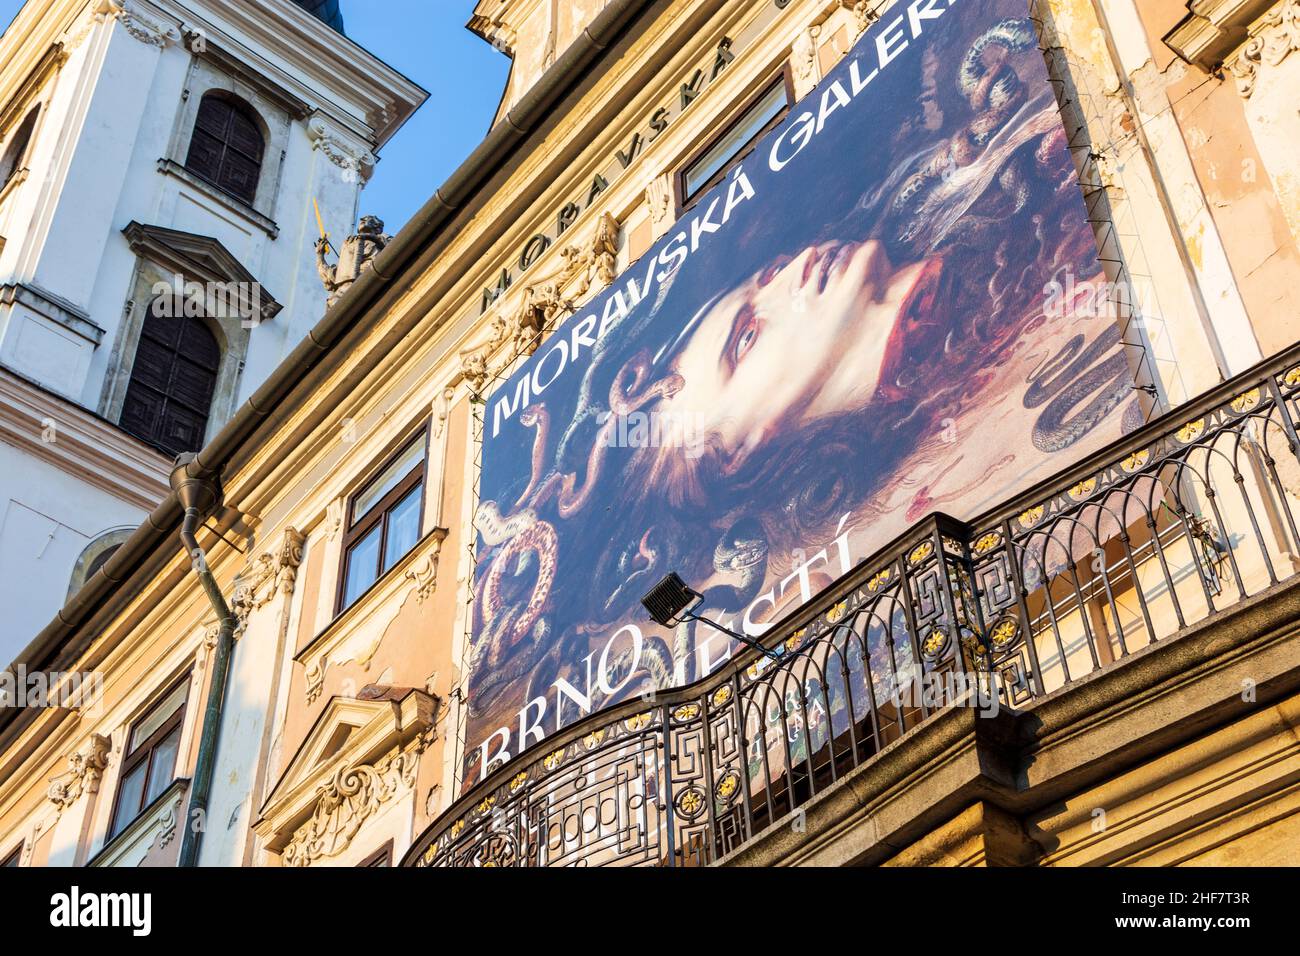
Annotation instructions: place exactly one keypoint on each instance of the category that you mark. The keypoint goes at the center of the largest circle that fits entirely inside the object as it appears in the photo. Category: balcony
(1169, 531)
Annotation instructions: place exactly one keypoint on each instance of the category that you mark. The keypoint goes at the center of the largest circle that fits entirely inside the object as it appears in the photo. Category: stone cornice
(197, 258)
(308, 61)
(304, 57)
(79, 443)
(1213, 29)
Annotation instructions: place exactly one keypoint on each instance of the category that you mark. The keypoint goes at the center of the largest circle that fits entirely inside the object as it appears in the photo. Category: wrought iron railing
(1162, 529)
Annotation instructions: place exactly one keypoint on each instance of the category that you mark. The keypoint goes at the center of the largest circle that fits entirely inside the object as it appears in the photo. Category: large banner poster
(887, 309)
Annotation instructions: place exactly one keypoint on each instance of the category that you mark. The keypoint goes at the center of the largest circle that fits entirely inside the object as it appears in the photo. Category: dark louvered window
(172, 381)
(226, 148)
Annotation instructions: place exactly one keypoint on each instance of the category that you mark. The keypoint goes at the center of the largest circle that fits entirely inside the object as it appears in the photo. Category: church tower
(165, 169)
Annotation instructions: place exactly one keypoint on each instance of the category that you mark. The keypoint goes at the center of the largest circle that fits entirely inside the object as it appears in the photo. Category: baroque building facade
(316, 559)
(157, 158)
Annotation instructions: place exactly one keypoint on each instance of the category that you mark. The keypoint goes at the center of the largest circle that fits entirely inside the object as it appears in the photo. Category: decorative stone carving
(340, 150)
(1272, 39)
(358, 250)
(146, 30)
(541, 306)
(137, 25)
(473, 365)
(209, 643)
(288, 560)
(803, 61)
(865, 13)
(574, 268)
(474, 361)
(351, 156)
(167, 827)
(604, 249)
(85, 768)
(442, 408)
(268, 574)
(315, 677)
(353, 796)
(425, 572)
(334, 517)
(659, 201)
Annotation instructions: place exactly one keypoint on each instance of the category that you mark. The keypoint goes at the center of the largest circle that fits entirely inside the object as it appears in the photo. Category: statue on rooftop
(357, 250)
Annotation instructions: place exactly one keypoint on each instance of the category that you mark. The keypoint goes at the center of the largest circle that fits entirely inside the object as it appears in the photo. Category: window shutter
(226, 147)
(173, 378)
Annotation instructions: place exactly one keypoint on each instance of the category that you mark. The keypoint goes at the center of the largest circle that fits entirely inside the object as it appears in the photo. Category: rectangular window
(149, 766)
(734, 143)
(384, 520)
(12, 858)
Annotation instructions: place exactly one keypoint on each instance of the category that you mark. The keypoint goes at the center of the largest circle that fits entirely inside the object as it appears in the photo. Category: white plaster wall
(47, 518)
(1274, 119)
(231, 810)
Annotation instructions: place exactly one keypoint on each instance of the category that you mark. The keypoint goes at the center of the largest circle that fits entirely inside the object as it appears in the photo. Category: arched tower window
(226, 148)
(95, 556)
(169, 396)
(16, 151)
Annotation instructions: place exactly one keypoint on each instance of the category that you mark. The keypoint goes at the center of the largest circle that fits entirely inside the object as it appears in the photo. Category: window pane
(162, 768)
(363, 566)
(128, 799)
(388, 479)
(158, 716)
(403, 527)
(744, 129)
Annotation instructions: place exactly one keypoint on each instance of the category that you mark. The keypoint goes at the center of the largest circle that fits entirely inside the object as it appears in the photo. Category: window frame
(14, 859)
(355, 530)
(685, 202)
(380, 859)
(145, 751)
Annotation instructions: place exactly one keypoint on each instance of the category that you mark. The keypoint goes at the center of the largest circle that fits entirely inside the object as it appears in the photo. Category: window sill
(156, 829)
(414, 572)
(169, 167)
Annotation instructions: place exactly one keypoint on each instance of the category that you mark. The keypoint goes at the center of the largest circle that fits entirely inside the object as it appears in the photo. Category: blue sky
(427, 41)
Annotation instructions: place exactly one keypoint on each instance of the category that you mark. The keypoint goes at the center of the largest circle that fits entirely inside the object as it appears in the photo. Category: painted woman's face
(804, 339)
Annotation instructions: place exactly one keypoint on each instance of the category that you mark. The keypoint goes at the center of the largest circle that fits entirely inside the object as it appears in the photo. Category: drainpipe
(198, 496)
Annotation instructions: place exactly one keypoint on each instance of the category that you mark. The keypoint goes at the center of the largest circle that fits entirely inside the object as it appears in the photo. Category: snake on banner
(1068, 380)
(525, 538)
